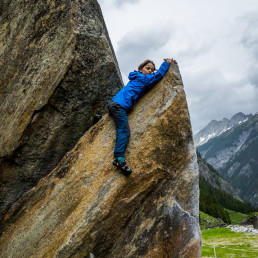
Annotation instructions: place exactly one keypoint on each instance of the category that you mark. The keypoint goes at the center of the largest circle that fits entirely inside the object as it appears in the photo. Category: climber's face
(147, 69)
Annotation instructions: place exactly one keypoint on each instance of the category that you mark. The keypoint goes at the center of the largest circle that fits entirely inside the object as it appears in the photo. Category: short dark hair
(145, 63)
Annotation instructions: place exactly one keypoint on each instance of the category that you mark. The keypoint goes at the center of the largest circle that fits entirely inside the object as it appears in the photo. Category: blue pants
(122, 128)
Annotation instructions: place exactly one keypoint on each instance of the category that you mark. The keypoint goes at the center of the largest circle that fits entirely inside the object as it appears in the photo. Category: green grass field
(228, 244)
(236, 217)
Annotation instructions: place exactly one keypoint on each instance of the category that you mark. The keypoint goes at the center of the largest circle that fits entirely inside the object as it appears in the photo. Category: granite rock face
(58, 70)
(87, 208)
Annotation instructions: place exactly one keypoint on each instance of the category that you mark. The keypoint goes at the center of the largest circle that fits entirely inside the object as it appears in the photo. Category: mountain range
(232, 149)
(215, 128)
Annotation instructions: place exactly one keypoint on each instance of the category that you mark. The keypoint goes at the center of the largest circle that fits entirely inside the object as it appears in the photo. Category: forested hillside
(211, 175)
(216, 195)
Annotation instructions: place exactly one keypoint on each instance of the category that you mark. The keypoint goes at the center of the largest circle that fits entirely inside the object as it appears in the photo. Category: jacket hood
(133, 75)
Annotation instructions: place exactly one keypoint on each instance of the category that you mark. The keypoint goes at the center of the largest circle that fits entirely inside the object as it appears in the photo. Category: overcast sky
(214, 42)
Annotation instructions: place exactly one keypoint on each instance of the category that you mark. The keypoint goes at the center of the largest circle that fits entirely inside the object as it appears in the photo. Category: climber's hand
(170, 60)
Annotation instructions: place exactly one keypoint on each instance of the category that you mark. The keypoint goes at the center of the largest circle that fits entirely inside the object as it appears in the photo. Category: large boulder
(57, 71)
(87, 208)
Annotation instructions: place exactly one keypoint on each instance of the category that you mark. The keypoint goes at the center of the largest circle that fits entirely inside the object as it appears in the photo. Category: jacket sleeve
(151, 78)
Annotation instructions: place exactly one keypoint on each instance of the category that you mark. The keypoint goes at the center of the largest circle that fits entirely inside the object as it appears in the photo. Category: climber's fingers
(168, 60)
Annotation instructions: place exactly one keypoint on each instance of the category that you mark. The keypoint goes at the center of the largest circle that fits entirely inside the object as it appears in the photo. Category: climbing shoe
(124, 168)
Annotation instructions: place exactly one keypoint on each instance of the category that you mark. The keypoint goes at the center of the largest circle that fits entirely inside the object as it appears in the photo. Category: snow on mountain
(215, 128)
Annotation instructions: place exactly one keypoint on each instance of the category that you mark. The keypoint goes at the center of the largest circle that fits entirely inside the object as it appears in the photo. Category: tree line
(213, 201)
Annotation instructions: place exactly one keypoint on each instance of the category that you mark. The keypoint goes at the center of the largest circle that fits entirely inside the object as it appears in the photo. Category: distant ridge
(215, 128)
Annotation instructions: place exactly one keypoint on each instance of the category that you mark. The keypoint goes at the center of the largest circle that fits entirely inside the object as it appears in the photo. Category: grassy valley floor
(222, 242)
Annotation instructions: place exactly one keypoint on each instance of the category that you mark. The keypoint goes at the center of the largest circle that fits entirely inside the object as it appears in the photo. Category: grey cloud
(211, 96)
(253, 75)
(250, 38)
(250, 33)
(250, 42)
(120, 3)
(137, 46)
(195, 49)
(117, 3)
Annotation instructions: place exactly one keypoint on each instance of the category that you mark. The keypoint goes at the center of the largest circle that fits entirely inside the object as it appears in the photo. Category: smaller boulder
(245, 221)
(255, 222)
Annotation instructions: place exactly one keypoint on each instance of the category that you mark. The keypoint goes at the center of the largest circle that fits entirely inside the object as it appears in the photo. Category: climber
(125, 100)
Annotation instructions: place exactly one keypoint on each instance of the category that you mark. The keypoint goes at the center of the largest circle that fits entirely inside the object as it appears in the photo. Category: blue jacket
(137, 86)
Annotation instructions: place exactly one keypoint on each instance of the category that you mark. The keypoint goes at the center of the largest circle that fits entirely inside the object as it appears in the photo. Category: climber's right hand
(170, 60)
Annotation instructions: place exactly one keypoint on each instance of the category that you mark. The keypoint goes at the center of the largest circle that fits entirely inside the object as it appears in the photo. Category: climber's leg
(122, 128)
(123, 134)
